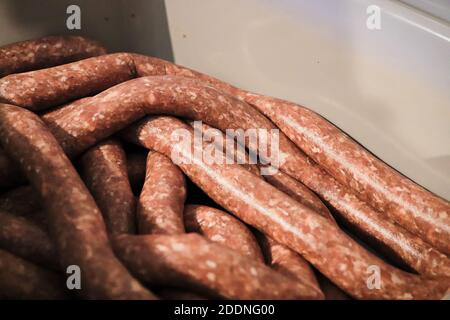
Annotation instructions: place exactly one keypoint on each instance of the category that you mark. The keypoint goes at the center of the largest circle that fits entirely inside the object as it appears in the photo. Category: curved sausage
(280, 217)
(45, 88)
(222, 228)
(41, 89)
(104, 171)
(27, 240)
(125, 103)
(46, 52)
(20, 279)
(161, 203)
(403, 201)
(75, 221)
(191, 261)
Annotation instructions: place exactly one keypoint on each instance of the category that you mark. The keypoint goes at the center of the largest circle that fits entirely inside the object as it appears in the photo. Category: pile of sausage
(79, 191)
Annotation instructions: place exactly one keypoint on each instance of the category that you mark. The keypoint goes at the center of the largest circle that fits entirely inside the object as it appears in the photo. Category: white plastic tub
(388, 88)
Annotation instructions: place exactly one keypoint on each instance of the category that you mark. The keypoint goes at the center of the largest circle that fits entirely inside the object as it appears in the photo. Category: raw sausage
(45, 88)
(42, 89)
(20, 279)
(125, 103)
(46, 52)
(280, 217)
(104, 171)
(222, 228)
(161, 203)
(75, 222)
(194, 263)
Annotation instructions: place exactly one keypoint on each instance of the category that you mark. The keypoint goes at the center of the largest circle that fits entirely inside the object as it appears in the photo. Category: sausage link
(20, 279)
(161, 203)
(117, 107)
(403, 201)
(285, 220)
(194, 263)
(46, 52)
(125, 103)
(222, 228)
(41, 89)
(104, 171)
(27, 240)
(75, 222)
(136, 167)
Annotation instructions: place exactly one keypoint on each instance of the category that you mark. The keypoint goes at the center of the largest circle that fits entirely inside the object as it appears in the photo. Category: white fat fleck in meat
(161, 248)
(211, 276)
(179, 247)
(218, 238)
(407, 296)
(211, 264)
